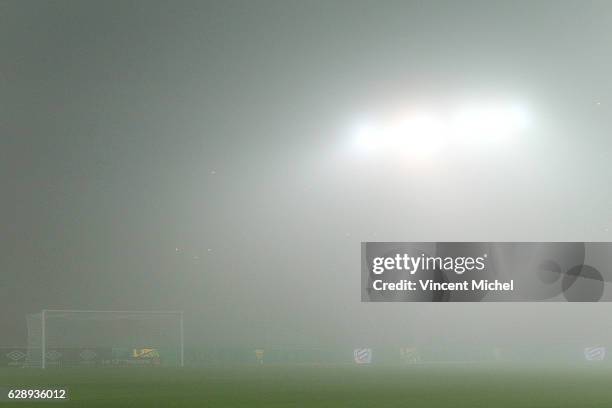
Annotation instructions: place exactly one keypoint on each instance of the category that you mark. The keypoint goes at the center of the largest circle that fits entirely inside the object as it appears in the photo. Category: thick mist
(194, 156)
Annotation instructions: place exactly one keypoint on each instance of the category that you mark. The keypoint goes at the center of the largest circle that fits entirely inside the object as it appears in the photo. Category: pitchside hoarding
(13, 356)
(486, 271)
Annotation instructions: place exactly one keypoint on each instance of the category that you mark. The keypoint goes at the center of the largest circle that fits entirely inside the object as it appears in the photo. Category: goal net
(107, 338)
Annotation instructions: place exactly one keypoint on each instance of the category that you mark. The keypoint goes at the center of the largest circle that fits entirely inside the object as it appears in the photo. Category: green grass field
(457, 386)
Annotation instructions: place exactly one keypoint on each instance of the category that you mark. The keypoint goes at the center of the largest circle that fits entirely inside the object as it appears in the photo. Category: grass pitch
(457, 386)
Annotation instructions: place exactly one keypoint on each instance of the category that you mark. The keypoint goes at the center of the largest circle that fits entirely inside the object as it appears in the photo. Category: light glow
(425, 132)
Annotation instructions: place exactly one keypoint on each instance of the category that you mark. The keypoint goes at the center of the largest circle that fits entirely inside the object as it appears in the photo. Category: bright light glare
(483, 122)
(418, 132)
(365, 137)
(424, 133)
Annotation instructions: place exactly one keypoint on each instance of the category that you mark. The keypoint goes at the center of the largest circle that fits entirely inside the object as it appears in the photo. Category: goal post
(101, 337)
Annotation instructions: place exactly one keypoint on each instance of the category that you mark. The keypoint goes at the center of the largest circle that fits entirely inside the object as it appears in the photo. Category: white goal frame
(43, 323)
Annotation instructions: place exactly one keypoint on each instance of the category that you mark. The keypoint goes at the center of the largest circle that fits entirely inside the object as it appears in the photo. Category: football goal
(57, 338)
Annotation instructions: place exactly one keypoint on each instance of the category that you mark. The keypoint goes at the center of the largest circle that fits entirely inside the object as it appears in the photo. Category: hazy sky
(194, 156)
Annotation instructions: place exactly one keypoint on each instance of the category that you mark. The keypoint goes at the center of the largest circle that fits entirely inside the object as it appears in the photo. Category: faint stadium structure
(94, 337)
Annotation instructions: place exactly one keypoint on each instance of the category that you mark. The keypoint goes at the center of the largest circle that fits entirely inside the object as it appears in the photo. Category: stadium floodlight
(366, 137)
(489, 121)
(422, 133)
(95, 337)
(419, 132)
